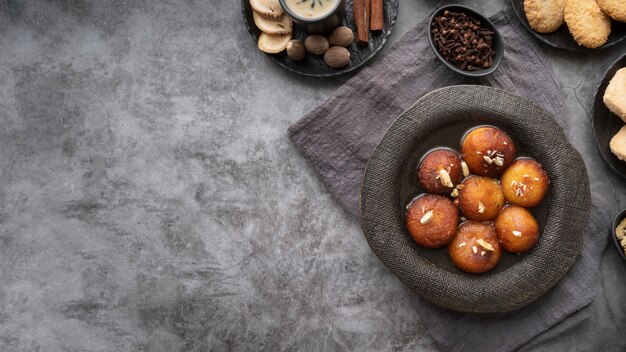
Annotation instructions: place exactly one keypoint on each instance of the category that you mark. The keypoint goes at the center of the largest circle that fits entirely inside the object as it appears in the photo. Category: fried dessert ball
(432, 220)
(480, 198)
(487, 150)
(440, 171)
(475, 248)
(517, 229)
(525, 183)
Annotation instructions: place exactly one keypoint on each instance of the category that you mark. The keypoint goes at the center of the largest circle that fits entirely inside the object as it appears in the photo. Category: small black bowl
(498, 43)
(621, 215)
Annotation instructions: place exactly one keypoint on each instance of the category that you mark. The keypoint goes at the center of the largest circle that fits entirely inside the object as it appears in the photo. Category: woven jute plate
(541, 137)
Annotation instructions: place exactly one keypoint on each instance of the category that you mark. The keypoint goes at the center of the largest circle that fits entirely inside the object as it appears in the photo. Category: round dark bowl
(621, 215)
(604, 123)
(498, 43)
(561, 38)
(537, 133)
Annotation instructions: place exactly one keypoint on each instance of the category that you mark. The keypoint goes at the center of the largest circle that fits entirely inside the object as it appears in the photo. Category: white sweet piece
(618, 144)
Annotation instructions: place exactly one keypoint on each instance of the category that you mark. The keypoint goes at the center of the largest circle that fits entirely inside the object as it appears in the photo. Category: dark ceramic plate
(562, 38)
(605, 123)
(315, 65)
(441, 117)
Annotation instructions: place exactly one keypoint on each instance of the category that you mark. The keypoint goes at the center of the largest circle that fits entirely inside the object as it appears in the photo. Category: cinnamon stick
(376, 15)
(361, 9)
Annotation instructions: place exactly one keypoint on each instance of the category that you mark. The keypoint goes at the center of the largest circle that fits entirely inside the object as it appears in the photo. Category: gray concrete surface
(151, 201)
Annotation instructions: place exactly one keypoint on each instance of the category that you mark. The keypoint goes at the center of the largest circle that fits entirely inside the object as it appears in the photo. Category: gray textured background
(151, 201)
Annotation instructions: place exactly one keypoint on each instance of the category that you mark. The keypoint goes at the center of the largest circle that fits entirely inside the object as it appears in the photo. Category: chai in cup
(311, 9)
(315, 16)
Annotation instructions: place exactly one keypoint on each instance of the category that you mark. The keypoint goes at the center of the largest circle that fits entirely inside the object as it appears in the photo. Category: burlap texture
(569, 200)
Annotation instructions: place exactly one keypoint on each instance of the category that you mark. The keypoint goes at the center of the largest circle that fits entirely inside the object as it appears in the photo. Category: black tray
(605, 123)
(561, 38)
(314, 65)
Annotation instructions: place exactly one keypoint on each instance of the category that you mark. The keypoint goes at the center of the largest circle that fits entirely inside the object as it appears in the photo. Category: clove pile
(463, 41)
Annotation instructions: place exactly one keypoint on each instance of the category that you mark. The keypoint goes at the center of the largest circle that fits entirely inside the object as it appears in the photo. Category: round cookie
(487, 150)
(525, 183)
(432, 220)
(480, 198)
(517, 229)
(544, 16)
(589, 26)
(440, 171)
(616, 9)
(475, 248)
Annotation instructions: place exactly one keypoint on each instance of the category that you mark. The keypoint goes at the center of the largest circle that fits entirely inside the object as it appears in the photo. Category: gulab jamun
(525, 183)
(475, 248)
(487, 150)
(517, 229)
(480, 198)
(432, 220)
(440, 171)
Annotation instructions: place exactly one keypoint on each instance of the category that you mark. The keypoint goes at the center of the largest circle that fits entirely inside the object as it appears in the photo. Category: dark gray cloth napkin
(339, 136)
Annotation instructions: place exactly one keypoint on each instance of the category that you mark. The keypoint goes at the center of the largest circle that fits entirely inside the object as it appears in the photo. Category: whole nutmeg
(337, 57)
(316, 44)
(295, 50)
(341, 36)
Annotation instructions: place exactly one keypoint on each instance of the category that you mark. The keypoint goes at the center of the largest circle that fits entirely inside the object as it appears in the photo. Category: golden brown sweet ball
(525, 183)
(480, 198)
(432, 220)
(487, 150)
(517, 229)
(440, 171)
(475, 248)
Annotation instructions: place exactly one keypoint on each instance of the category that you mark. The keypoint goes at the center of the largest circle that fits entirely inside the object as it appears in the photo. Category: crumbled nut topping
(486, 245)
(487, 159)
(455, 193)
(498, 161)
(517, 233)
(465, 169)
(482, 253)
(519, 188)
(462, 218)
(474, 249)
(462, 244)
(444, 177)
(427, 217)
